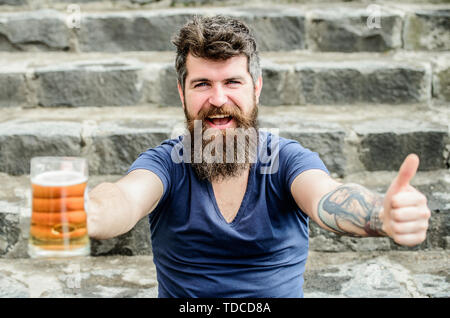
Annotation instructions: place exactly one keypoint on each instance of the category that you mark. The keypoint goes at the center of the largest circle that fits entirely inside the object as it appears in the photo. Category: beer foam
(58, 178)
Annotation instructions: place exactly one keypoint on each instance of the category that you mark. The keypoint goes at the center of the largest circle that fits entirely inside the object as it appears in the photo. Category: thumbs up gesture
(405, 216)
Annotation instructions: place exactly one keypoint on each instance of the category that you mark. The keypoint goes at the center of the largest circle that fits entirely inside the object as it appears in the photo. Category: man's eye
(234, 82)
(200, 84)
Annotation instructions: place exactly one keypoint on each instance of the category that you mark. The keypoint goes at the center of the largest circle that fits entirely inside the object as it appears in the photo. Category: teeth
(218, 116)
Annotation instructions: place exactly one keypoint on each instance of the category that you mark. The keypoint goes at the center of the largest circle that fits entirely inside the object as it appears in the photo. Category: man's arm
(345, 209)
(351, 209)
(115, 208)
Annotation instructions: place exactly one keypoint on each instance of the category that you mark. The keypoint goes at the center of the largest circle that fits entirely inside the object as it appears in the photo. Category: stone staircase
(362, 83)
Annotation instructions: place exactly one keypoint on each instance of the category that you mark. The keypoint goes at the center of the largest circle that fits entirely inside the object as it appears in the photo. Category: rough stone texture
(349, 139)
(349, 30)
(81, 1)
(115, 146)
(328, 140)
(115, 32)
(386, 143)
(311, 82)
(13, 2)
(22, 140)
(377, 275)
(325, 241)
(197, 3)
(289, 79)
(144, 1)
(80, 277)
(343, 275)
(41, 30)
(13, 89)
(111, 140)
(441, 83)
(434, 185)
(89, 84)
(9, 232)
(110, 147)
(279, 85)
(15, 212)
(15, 205)
(275, 28)
(135, 242)
(115, 138)
(428, 30)
(162, 87)
(331, 28)
(366, 82)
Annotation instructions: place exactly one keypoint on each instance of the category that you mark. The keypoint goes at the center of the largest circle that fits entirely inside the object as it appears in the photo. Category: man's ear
(258, 88)
(180, 92)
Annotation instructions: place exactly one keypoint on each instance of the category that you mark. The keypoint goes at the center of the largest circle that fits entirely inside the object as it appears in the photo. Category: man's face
(222, 95)
(216, 89)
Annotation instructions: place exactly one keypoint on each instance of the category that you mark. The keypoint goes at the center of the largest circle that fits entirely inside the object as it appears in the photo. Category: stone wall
(362, 95)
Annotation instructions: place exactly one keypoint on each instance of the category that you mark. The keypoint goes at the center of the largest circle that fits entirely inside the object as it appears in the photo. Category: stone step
(350, 139)
(343, 27)
(294, 78)
(186, 3)
(121, 4)
(417, 274)
(15, 213)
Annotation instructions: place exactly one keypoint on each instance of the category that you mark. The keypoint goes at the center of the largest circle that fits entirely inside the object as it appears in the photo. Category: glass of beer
(58, 220)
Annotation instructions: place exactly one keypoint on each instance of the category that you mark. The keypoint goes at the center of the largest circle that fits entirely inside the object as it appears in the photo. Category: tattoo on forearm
(352, 210)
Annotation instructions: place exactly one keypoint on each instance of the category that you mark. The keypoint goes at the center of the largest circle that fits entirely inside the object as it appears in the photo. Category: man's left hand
(405, 216)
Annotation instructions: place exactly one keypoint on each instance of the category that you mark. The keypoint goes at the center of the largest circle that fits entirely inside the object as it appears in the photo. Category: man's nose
(218, 96)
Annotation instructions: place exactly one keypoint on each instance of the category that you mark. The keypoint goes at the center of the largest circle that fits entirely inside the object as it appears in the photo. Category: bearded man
(228, 204)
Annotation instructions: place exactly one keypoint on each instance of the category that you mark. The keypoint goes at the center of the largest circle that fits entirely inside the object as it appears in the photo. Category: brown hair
(215, 38)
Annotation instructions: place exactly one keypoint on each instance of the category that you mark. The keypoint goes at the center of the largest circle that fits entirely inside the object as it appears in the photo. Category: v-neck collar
(242, 208)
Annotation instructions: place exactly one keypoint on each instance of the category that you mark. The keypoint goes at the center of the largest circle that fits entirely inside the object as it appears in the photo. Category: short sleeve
(295, 159)
(157, 160)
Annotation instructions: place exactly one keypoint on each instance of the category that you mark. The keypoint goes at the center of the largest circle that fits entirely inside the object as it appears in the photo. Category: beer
(58, 220)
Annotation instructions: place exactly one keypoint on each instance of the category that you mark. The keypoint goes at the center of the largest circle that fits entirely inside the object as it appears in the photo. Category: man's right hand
(115, 208)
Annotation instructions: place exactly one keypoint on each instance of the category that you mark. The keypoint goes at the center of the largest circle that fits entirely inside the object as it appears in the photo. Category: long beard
(227, 152)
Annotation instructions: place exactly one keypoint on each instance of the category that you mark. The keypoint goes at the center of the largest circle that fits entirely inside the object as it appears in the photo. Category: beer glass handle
(86, 199)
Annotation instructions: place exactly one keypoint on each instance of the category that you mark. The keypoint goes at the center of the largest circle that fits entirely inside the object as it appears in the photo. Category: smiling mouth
(219, 121)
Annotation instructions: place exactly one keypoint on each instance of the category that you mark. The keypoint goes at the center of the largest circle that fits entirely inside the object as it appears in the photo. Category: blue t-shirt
(261, 253)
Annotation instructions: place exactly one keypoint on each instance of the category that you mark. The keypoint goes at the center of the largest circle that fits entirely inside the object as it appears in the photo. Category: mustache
(243, 120)
(226, 110)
